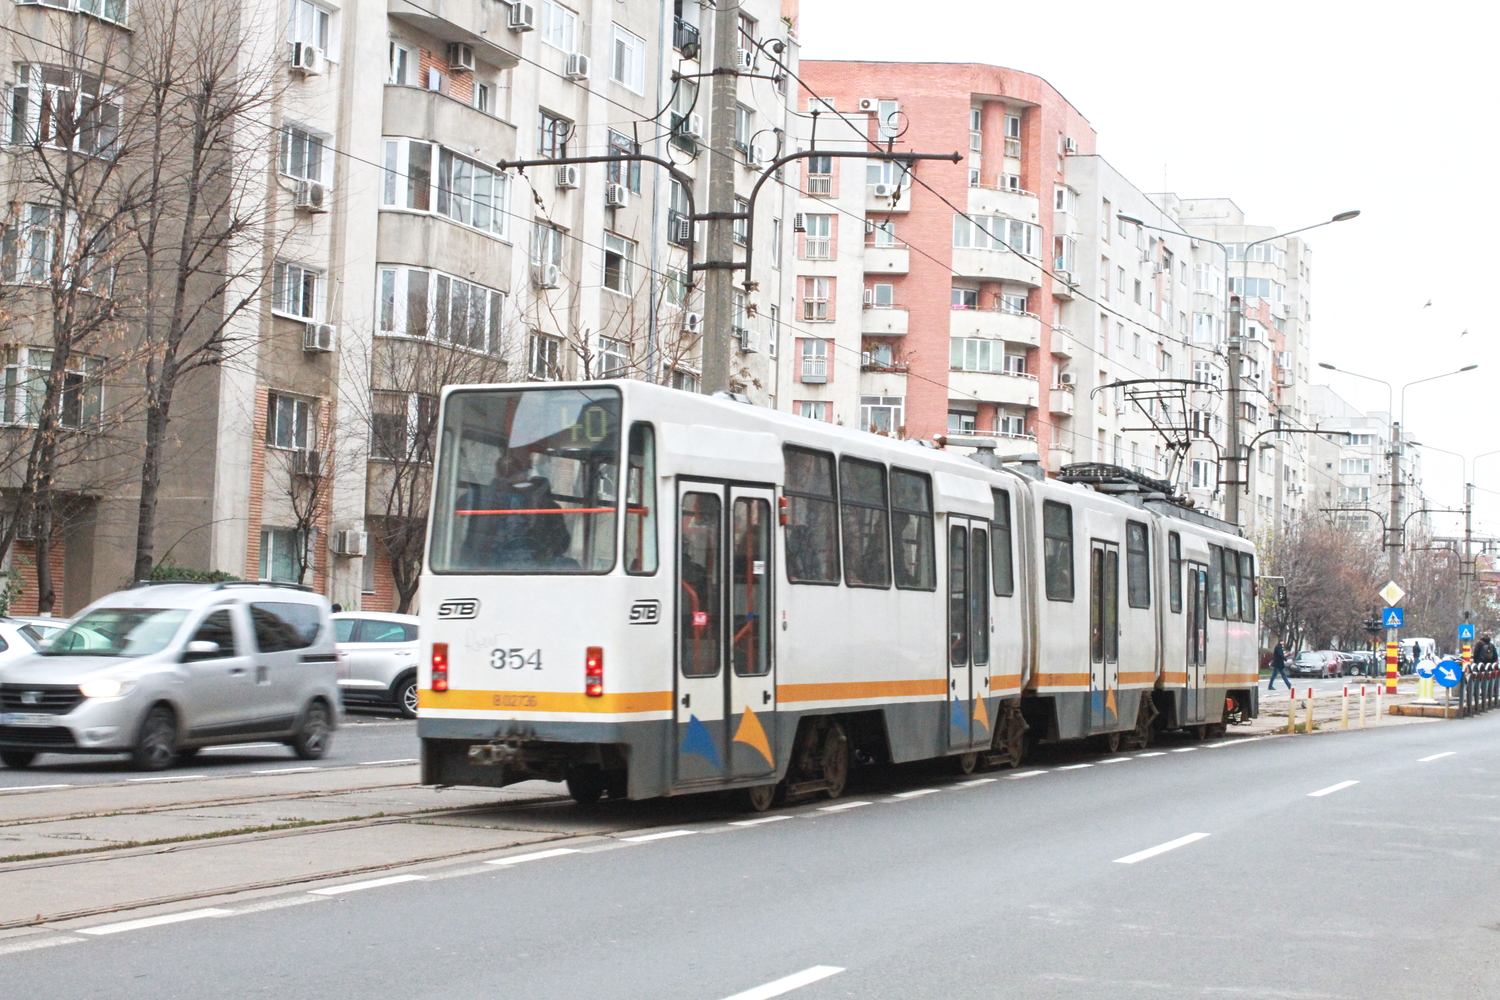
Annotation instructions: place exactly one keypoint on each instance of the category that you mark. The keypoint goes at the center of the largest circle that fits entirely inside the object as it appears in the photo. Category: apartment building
(1349, 472)
(396, 256)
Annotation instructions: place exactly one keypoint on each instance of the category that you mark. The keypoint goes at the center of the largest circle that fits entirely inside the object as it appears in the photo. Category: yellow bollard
(1309, 709)
(1344, 714)
(1361, 706)
(1379, 703)
(1291, 711)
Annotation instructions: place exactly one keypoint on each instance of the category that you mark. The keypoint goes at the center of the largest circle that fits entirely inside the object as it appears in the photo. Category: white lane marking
(244, 746)
(660, 836)
(1153, 753)
(171, 777)
(1023, 774)
(165, 918)
(842, 806)
(30, 788)
(402, 760)
(374, 883)
(280, 903)
(973, 781)
(516, 859)
(46, 942)
(286, 770)
(786, 984)
(1074, 767)
(758, 822)
(1184, 750)
(1331, 789)
(1234, 742)
(1446, 753)
(1115, 760)
(914, 793)
(1152, 852)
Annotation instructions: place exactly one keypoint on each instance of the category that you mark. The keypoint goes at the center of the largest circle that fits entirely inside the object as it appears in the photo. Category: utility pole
(1237, 478)
(1466, 575)
(718, 288)
(1393, 542)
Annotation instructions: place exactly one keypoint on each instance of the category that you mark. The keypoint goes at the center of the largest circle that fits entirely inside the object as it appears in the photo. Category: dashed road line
(245, 746)
(287, 770)
(374, 883)
(1024, 774)
(758, 821)
(32, 945)
(1073, 767)
(660, 836)
(1153, 753)
(1152, 852)
(1445, 753)
(171, 777)
(973, 781)
(1331, 789)
(400, 760)
(786, 984)
(165, 918)
(279, 903)
(1115, 760)
(516, 859)
(839, 808)
(30, 788)
(915, 792)
(1184, 750)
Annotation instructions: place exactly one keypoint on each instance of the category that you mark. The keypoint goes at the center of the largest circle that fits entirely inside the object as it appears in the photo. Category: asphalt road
(1351, 866)
(363, 738)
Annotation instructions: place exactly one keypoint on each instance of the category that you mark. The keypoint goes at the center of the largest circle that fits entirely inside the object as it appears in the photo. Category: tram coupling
(496, 754)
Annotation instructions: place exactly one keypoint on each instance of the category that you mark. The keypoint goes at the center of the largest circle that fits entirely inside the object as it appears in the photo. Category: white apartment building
(1349, 467)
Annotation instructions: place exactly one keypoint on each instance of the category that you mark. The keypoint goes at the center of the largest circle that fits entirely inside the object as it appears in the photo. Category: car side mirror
(200, 649)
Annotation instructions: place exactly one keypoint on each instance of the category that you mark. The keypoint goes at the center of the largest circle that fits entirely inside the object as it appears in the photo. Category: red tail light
(593, 672)
(440, 666)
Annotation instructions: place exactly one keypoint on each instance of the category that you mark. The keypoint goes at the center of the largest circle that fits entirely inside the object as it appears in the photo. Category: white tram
(647, 592)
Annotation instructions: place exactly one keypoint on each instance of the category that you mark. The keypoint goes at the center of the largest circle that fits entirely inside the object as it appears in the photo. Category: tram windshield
(527, 482)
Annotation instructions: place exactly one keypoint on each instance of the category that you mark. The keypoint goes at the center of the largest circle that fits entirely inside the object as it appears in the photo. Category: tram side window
(1174, 571)
(1247, 587)
(865, 523)
(1057, 548)
(1215, 582)
(1137, 565)
(1231, 584)
(812, 517)
(1004, 569)
(640, 502)
(911, 530)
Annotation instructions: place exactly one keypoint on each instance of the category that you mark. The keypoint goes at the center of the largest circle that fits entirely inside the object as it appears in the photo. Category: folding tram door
(1104, 636)
(1195, 694)
(726, 676)
(968, 561)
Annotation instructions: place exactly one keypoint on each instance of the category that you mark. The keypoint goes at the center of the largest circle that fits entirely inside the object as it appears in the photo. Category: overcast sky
(1296, 110)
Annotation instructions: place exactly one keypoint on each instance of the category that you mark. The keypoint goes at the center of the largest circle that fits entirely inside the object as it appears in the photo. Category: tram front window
(528, 482)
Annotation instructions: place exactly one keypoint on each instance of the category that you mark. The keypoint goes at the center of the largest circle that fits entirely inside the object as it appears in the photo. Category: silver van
(162, 670)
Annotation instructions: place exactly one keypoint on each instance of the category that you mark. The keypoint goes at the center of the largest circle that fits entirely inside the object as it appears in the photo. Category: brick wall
(23, 558)
(256, 500)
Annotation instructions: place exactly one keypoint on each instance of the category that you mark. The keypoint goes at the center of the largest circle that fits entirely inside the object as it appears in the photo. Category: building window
(1354, 494)
(1354, 466)
(613, 358)
(1204, 474)
(676, 287)
(813, 409)
(553, 134)
(559, 26)
(1137, 291)
(881, 414)
(109, 10)
(467, 192)
(295, 290)
(482, 100)
(890, 126)
(814, 360)
(684, 99)
(1010, 425)
(289, 422)
(1065, 199)
(882, 234)
(886, 172)
(820, 176)
(1013, 135)
(618, 255)
(279, 555)
(401, 426)
(1135, 344)
(744, 127)
(742, 225)
(401, 65)
(817, 294)
(24, 385)
(776, 244)
(64, 109)
(544, 358)
(964, 298)
(546, 245)
(818, 242)
(883, 295)
(960, 422)
(680, 378)
(970, 355)
(1064, 251)
(301, 153)
(308, 24)
(774, 335)
(628, 65)
(628, 172)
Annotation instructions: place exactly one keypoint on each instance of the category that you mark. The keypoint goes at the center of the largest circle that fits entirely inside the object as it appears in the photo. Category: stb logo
(645, 612)
(464, 607)
(31, 697)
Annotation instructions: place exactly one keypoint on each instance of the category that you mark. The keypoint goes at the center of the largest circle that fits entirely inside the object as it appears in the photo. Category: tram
(645, 592)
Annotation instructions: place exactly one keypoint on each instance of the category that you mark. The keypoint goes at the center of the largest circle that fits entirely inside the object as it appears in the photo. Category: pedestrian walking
(1278, 668)
(1484, 651)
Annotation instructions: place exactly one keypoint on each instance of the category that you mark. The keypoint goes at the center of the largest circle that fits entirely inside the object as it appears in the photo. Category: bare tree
(304, 481)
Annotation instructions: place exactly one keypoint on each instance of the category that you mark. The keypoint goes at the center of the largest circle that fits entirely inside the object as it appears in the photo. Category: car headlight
(104, 687)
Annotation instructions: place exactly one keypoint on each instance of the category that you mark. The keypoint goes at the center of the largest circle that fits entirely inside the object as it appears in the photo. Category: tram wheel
(761, 797)
(586, 785)
(835, 760)
(965, 763)
(1110, 742)
(1200, 733)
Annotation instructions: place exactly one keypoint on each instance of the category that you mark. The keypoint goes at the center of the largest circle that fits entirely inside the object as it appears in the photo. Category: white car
(43, 629)
(17, 639)
(380, 659)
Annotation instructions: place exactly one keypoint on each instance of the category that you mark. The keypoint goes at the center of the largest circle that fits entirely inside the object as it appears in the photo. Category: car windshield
(119, 632)
(1309, 657)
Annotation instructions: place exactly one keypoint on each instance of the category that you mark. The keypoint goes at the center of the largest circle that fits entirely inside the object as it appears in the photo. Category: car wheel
(315, 735)
(156, 747)
(17, 758)
(406, 698)
(188, 753)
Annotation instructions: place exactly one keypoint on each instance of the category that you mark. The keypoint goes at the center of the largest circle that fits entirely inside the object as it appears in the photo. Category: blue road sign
(1425, 669)
(1449, 673)
(1466, 633)
(1392, 618)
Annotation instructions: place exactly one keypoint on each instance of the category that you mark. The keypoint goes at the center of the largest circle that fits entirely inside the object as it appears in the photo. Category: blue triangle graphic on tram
(958, 716)
(698, 740)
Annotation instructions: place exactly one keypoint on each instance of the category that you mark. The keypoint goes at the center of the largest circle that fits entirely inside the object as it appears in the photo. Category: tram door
(1194, 708)
(968, 558)
(1104, 635)
(726, 684)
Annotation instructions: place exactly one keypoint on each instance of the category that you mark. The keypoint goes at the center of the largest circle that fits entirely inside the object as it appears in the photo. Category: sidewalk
(1328, 707)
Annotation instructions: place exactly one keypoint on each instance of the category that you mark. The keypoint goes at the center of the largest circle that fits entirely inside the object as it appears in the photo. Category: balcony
(685, 39)
(995, 387)
(1059, 455)
(883, 203)
(997, 324)
(887, 260)
(473, 22)
(997, 265)
(1021, 205)
(893, 321)
(1013, 147)
(1060, 401)
(1063, 344)
(419, 111)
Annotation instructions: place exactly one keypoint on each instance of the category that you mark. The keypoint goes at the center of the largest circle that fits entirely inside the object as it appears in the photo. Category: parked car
(44, 628)
(1363, 663)
(17, 639)
(162, 670)
(1310, 663)
(381, 654)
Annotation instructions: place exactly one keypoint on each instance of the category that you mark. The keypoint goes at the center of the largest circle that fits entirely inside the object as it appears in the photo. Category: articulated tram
(646, 592)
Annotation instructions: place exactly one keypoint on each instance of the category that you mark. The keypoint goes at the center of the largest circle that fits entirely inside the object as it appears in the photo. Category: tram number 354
(516, 659)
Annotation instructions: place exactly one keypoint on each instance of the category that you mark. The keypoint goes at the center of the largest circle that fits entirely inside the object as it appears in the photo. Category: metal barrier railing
(1479, 692)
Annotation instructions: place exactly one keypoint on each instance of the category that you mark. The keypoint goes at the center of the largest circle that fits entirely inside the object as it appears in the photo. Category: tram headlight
(593, 672)
(440, 666)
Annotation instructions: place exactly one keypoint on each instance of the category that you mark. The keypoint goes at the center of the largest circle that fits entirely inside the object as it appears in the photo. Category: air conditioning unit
(320, 337)
(307, 462)
(753, 157)
(1067, 378)
(567, 177)
(746, 60)
(799, 223)
(869, 227)
(616, 195)
(349, 543)
(693, 322)
(748, 343)
(546, 275)
(1069, 146)
(869, 296)
(522, 16)
(693, 126)
(869, 104)
(682, 231)
(312, 196)
(460, 58)
(883, 190)
(578, 67)
(307, 59)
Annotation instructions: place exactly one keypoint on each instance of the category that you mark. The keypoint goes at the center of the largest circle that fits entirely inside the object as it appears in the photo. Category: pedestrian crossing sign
(1392, 618)
(1466, 633)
